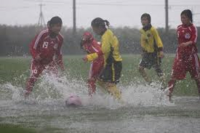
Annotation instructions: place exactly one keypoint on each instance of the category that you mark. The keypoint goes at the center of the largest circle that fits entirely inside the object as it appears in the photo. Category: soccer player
(111, 72)
(186, 59)
(46, 52)
(90, 45)
(152, 49)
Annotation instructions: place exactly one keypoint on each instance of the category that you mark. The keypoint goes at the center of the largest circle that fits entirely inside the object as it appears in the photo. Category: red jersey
(93, 47)
(47, 48)
(185, 34)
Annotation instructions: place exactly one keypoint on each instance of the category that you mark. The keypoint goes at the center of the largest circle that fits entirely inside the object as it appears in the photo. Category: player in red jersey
(90, 45)
(186, 59)
(46, 52)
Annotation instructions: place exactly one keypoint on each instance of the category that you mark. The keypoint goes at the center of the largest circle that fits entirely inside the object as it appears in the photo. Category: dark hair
(55, 20)
(147, 16)
(187, 13)
(99, 22)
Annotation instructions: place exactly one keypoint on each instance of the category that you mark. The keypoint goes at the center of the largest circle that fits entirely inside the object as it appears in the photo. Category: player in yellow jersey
(111, 72)
(152, 49)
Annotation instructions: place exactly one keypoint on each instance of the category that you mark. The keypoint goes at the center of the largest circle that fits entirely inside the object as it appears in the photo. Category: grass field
(144, 105)
(16, 69)
(8, 128)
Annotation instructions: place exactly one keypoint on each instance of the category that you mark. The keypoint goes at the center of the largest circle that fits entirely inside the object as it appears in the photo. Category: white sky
(117, 12)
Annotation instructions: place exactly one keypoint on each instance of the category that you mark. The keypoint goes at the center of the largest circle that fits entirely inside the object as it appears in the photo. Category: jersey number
(45, 45)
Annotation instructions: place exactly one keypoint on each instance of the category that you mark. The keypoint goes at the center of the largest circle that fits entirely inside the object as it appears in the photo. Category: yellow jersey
(149, 39)
(108, 41)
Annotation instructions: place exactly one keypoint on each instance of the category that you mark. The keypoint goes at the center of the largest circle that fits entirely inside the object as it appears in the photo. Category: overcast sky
(117, 12)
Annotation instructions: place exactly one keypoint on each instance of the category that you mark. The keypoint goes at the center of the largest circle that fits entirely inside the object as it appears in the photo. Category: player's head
(99, 25)
(145, 19)
(186, 17)
(86, 39)
(55, 24)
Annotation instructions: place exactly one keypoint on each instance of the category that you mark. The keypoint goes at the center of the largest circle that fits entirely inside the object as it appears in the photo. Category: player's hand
(161, 54)
(85, 59)
(38, 58)
(185, 44)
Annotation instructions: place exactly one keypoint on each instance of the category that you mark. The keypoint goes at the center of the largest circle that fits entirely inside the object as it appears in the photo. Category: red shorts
(183, 65)
(37, 68)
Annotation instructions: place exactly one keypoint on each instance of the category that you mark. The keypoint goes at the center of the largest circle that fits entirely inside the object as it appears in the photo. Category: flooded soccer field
(145, 109)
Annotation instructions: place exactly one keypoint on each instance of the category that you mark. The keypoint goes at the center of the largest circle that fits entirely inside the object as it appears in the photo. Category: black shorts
(150, 60)
(111, 72)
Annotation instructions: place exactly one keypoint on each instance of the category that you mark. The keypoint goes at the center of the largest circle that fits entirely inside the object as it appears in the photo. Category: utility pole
(41, 21)
(74, 16)
(166, 16)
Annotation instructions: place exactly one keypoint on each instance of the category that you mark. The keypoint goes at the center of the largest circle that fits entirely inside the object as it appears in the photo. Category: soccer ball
(74, 101)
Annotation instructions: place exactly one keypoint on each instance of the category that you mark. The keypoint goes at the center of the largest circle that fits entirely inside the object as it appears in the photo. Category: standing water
(145, 109)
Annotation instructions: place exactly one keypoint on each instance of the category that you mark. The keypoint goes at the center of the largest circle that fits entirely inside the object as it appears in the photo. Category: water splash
(50, 88)
(145, 95)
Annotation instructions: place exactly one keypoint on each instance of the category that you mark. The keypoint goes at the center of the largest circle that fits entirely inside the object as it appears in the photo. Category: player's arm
(194, 35)
(59, 56)
(158, 42)
(157, 39)
(193, 39)
(93, 56)
(34, 47)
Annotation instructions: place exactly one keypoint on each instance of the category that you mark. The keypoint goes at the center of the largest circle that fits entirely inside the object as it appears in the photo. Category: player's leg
(91, 86)
(95, 69)
(145, 63)
(108, 80)
(36, 70)
(142, 71)
(171, 85)
(91, 80)
(112, 88)
(159, 72)
(178, 73)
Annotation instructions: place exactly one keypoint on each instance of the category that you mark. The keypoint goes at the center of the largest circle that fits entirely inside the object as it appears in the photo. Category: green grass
(15, 70)
(8, 128)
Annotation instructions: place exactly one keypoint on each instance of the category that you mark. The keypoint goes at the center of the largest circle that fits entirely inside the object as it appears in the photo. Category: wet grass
(16, 70)
(9, 128)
